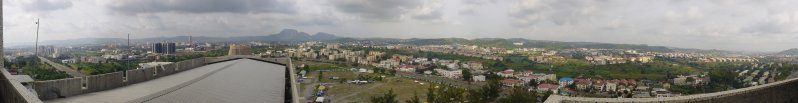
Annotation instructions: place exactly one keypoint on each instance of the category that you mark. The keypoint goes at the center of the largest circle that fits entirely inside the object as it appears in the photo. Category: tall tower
(128, 40)
(190, 42)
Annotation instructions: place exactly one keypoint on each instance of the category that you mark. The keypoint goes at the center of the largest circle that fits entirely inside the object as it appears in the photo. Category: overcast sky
(746, 25)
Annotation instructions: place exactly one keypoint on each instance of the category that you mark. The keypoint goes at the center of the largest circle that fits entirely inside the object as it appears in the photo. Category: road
(60, 67)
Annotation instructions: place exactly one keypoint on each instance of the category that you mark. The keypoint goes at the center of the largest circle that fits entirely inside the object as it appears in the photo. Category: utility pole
(36, 45)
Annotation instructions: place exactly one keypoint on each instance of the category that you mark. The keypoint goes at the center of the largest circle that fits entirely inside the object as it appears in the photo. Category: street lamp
(36, 45)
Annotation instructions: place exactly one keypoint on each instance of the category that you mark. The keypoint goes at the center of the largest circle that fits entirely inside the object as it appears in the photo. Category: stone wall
(785, 91)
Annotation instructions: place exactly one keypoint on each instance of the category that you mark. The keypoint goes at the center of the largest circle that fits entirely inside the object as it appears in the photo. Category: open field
(404, 88)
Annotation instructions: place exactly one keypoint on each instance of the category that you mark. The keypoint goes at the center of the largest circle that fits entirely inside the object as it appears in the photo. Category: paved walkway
(60, 67)
(134, 91)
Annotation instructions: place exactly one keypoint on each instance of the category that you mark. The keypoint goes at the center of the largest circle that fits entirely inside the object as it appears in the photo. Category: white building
(479, 78)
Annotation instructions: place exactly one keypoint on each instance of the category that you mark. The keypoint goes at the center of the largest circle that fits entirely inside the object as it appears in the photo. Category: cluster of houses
(446, 68)
(708, 58)
(567, 85)
(727, 59)
(491, 53)
(755, 74)
(516, 79)
(546, 57)
(595, 56)
(614, 59)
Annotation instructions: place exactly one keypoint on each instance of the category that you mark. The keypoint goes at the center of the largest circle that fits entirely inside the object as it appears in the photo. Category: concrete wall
(136, 76)
(61, 88)
(12, 91)
(785, 91)
(58, 88)
(104, 82)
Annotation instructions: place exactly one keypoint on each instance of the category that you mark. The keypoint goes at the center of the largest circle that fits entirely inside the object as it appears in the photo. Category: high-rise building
(157, 48)
(46, 51)
(164, 48)
(170, 48)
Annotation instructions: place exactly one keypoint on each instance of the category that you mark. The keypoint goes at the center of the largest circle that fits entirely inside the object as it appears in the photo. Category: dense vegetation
(102, 68)
(187, 56)
(445, 94)
(389, 52)
(37, 70)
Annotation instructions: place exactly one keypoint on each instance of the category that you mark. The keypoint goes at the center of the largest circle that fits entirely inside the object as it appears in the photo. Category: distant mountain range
(292, 35)
(286, 35)
(793, 51)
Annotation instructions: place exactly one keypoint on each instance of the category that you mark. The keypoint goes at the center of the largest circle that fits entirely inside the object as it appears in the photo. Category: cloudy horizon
(738, 25)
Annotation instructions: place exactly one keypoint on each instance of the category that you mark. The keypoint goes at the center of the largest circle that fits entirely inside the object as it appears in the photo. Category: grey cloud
(43, 5)
(377, 10)
(471, 6)
(203, 6)
(431, 16)
(768, 28)
(468, 12)
(558, 12)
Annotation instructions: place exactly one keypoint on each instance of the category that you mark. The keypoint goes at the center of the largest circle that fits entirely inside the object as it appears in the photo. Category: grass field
(404, 88)
(340, 92)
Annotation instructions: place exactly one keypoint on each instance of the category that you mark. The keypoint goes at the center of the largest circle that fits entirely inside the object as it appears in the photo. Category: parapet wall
(12, 91)
(785, 91)
(62, 88)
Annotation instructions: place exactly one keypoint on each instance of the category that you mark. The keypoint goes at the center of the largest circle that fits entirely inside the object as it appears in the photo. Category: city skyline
(725, 25)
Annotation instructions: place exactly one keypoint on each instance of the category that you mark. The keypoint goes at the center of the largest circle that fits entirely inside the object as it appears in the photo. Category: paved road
(60, 67)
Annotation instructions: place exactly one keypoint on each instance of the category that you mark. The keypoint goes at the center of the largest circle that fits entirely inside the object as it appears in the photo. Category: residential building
(479, 78)
(506, 73)
(512, 82)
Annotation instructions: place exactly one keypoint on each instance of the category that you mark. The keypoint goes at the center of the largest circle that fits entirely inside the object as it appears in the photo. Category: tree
(449, 94)
(487, 93)
(431, 94)
(467, 76)
(533, 83)
(415, 99)
(690, 79)
(385, 98)
(321, 75)
(519, 95)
